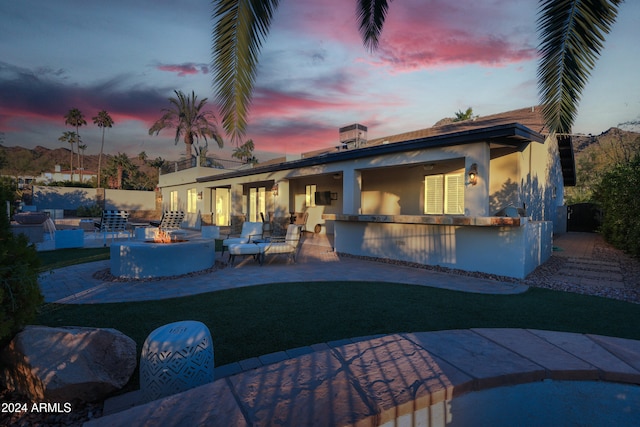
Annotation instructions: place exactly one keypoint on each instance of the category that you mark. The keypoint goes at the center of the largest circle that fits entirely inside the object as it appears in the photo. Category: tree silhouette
(103, 120)
(75, 118)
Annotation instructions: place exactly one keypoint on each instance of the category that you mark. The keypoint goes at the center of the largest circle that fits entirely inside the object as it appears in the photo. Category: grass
(258, 320)
(50, 260)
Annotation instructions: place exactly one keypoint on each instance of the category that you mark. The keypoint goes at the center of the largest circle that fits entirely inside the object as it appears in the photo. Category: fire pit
(149, 259)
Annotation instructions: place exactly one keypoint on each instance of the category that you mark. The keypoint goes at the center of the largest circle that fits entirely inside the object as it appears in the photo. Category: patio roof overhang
(513, 134)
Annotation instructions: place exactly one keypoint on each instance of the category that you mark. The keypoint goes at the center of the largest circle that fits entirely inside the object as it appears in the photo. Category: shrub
(20, 295)
(89, 211)
(617, 195)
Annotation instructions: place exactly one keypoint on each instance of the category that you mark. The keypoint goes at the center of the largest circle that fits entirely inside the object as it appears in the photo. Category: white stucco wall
(506, 251)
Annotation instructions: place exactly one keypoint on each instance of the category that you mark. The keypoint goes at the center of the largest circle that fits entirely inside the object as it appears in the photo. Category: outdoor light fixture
(473, 174)
(274, 190)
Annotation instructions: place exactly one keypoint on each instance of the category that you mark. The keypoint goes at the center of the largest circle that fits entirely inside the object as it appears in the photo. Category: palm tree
(81, 148)
(142, 156)
(189, 120)
(244, 152)
(103, 120)
(572, 34)
(71, 138)
(76, 119)
(464, 115)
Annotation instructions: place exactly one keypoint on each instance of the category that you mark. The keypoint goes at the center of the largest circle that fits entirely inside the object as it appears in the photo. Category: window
(192, 197)
(310, 195)
(173, 201)
(444, 194)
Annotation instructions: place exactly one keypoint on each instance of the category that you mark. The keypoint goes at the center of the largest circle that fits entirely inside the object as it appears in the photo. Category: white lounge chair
(287, 245)
(250, 232)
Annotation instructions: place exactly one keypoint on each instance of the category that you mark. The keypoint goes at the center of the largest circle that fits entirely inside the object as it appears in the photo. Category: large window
(444, 194)
(192, 198)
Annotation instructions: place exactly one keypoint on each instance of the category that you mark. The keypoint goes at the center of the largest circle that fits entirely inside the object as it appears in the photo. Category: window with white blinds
(444, 194)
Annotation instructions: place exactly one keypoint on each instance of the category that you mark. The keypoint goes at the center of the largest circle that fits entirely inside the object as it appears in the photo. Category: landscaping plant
(20, 294)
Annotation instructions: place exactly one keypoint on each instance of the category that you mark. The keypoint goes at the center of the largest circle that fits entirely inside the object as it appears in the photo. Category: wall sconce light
(200, 195)
(473, 174)
(274, 190)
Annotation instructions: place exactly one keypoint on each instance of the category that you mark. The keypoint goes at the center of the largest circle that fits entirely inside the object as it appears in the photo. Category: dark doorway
(583, 217)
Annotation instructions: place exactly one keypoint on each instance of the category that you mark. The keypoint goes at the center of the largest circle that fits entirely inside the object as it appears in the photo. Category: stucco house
(479, 195)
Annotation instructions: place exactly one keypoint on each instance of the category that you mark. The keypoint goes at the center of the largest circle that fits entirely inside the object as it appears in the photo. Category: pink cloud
(184, 69)
(425, 35)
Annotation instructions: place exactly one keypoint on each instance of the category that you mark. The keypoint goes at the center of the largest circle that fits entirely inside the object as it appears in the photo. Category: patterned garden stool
(175, 358)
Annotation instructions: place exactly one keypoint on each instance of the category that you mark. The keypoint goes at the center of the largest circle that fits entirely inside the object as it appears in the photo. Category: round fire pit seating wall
(175, 358)
(144, 259)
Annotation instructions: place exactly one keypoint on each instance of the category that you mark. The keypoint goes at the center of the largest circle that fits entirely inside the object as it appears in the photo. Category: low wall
(70, 198)
(506, 251)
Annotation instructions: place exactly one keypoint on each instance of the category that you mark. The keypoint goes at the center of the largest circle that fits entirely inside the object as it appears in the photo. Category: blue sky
(435, 58)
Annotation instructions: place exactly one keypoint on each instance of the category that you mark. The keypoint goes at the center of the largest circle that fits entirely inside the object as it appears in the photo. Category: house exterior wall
(510, 172)
(506, 251)
(541, 182)
(504, 188)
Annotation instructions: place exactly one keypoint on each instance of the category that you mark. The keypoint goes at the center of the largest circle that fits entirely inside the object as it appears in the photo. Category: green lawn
(258, 320)
(50, 260)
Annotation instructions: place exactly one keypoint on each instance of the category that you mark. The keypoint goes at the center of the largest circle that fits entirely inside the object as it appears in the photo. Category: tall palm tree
(103, 120)
(572, 34)
(71, 138)
(75, 118)
(186, 115)
(81, 148)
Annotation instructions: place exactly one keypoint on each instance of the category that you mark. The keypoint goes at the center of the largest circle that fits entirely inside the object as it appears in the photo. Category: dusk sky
(435, 57)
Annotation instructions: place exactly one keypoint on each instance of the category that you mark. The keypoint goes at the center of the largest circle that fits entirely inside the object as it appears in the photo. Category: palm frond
(572, 36)
(371, 15)
(240, 28)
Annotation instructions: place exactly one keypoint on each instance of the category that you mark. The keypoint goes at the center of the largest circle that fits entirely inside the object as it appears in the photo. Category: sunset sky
(435, 57)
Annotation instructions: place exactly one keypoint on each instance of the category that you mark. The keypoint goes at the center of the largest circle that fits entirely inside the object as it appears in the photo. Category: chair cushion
(251, 229)
(276, 248)
(235, 241)
(244, 249)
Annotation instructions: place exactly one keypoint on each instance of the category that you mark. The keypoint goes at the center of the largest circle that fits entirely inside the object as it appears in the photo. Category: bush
(617, 195)
(89, 211)
(20, 295)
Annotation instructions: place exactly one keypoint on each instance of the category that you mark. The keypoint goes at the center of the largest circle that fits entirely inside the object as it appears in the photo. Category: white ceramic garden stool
(176, 357)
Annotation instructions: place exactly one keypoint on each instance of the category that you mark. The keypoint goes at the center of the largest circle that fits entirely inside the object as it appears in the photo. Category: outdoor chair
(112, 221)
(171, 220)
(287, 245)
(266, 225)
(250, 232)
(301, 220)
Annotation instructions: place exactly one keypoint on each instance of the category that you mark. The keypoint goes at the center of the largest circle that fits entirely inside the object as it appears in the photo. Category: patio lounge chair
(282, 245)
(301, 220)
(112, 221)
(171, 220)
(250, 232)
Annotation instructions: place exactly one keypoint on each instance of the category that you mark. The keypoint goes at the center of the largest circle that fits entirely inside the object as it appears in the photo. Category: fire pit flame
(162, 237)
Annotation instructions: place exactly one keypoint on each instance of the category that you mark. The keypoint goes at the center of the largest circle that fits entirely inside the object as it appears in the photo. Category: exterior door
(223, 200)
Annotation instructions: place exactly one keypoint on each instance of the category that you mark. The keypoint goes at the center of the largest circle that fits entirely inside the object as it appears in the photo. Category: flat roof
(512, 134)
